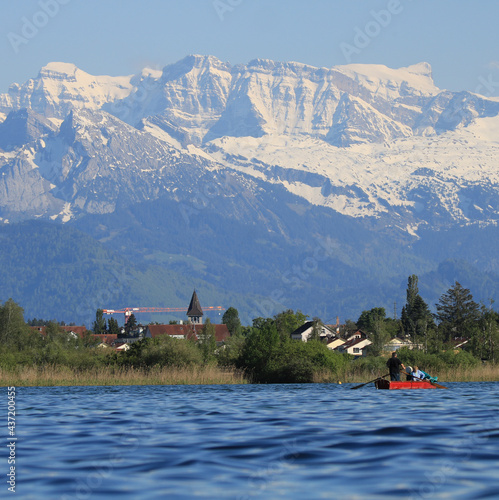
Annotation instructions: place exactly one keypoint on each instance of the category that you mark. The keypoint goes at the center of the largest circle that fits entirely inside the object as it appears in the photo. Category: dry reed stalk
(108, 375)
(324, 377)
(484, 373)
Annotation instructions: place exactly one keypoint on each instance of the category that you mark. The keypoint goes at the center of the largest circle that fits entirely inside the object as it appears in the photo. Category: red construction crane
(128, 311)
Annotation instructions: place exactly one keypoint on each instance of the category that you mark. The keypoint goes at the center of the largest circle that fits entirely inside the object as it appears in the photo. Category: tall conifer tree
(457, 313)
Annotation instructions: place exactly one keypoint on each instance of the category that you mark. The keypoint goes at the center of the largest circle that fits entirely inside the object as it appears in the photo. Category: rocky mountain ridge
(376, 141)
(239, 173)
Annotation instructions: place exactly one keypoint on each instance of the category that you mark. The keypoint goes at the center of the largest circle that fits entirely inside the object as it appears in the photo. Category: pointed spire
(194, 312)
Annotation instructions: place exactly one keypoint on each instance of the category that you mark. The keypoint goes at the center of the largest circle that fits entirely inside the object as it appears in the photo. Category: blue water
(262, 442)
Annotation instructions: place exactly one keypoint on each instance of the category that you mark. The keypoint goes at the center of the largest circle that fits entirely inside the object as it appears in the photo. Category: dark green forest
(126, 260)
(59, 272)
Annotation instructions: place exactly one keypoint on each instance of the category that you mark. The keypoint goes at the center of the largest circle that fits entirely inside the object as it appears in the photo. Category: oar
(437, 385)
(370, 382)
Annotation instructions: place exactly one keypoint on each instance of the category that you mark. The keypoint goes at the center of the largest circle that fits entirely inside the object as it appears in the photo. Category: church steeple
(194, 312)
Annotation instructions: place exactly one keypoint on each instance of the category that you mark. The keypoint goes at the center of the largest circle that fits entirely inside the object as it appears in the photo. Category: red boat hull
(386, 384)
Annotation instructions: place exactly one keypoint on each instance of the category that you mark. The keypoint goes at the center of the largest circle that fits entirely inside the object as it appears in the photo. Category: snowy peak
(394, 83)
(184, 102)
(194, 63)
(61, 87)
(268, 97)
(422, 68)
(363, 140)
(200, 98)
(60, 71)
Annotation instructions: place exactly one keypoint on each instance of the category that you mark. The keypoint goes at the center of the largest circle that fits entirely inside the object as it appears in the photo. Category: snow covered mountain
(61, 87)
(363, 140)
(268, 145)
(201, 98)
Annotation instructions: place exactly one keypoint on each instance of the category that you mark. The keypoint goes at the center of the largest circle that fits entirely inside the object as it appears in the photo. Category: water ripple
(272, 441)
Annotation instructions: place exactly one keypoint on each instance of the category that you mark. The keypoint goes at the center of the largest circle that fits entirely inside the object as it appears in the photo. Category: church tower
(195, 313)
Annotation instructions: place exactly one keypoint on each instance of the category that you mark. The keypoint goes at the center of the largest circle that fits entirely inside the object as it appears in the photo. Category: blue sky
(460, 39)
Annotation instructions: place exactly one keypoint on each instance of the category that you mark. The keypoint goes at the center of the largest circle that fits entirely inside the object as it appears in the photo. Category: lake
(256, 442)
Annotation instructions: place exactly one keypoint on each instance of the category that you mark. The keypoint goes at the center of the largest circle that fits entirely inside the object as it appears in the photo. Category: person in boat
(417, 374)
(394, 365)
(427, 376)
(408, 374)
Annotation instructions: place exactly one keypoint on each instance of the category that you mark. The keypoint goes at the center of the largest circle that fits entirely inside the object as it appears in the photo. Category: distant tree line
(457, 317)
(265, 351)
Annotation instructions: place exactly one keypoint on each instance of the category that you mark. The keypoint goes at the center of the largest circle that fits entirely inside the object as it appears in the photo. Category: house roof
(354, 342)
(357, 333)
(458, 342)
(309, 324)
(194, 306)
(79, 330)
(190, 332)
(335, 343)
(303, 328)
(398, 340)
(107, 338)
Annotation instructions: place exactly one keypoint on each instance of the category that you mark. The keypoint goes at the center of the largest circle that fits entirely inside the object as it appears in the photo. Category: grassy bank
(109, 375)
(58, 375)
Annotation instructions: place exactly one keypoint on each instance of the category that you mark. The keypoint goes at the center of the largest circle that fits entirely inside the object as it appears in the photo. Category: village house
(397, 343)
(186, 331)
(335, 343)
(458, 342)
(355, 346)
(359, 334)
(106, 338)
(304, 331)
(72, 331)
(190, 330)
(121, 347)
(132, 336)
(80, 331)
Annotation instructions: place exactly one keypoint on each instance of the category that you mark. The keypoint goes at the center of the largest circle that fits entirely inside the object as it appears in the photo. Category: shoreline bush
(266, 354)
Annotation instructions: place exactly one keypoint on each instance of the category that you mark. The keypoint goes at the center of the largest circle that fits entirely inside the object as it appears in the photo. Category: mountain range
(266, 186)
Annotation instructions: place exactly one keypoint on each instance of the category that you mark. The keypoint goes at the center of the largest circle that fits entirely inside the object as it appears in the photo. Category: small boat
(381, 383)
